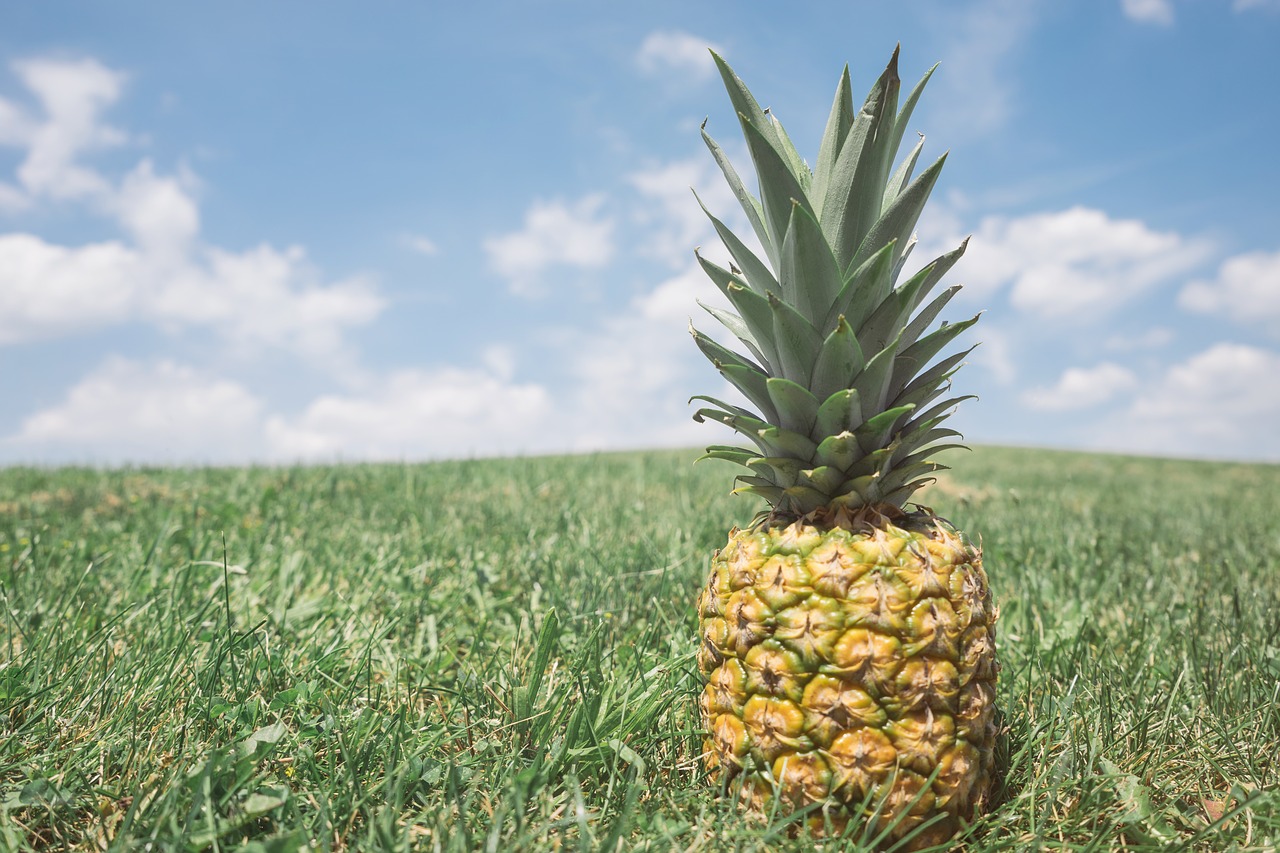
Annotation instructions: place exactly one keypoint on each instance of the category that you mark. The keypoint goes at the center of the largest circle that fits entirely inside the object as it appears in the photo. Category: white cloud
(268, 297)
(263, 297)
(48, 290)
(554, 233)
(1073, 264)
(1223, 402)
(417, 414)
(1246, 5)
(674, 50)
(127, 411)
(73, 95)
(157, 211)
(1149, 11)
(1082, 388)
(1247, 289)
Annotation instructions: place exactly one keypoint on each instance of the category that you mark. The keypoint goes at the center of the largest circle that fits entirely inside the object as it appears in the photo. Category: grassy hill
(498, 654)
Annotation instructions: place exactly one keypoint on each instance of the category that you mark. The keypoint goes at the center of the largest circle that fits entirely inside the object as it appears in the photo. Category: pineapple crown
(840, 353)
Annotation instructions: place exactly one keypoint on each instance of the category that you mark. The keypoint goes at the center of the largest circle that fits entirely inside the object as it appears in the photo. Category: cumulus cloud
(267, 297)
(1222, 402)
(263, 297)
(1072, 264)
(1082, 388)
(1158, 12)
(159, 271)
(157, 211)
(127, 411)
(48, 290)
(1246, 289)
(555, 233)
(416, 414)
(675, 50)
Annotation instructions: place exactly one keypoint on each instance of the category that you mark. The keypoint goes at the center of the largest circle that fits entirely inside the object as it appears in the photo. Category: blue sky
(245, 232)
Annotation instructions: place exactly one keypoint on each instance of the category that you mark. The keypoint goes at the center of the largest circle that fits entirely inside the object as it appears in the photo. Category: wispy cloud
(1247, 5)
(1158, 12)
(678, 51)
(421, 245)
(977, 88)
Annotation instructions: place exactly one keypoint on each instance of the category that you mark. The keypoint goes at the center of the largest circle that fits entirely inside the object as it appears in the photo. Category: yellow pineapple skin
(848, 663)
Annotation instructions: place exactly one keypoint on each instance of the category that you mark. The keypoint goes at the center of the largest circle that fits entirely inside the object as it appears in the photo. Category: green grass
(499, 654)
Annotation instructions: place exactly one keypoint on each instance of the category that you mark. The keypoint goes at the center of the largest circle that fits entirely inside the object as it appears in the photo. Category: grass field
(498, 655)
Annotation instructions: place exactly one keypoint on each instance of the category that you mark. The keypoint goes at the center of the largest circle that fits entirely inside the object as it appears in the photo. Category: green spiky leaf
(797, 408)
(757, 276)
(838, 124)
(750, 204)
(866, 288)
(838, 362)
(853, 198)
(780, 190)
(797, 341)
(740, 330)
(900, 217)
(809, 276)
(837, 413)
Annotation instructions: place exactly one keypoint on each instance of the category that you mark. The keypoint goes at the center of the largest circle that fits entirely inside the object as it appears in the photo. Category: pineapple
(847, 637)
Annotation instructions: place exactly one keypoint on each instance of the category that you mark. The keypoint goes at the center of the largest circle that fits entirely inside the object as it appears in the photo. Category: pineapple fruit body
(852, 666)
(847, 641)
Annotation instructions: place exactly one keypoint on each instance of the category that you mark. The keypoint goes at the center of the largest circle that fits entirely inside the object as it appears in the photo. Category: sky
(307, 232)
